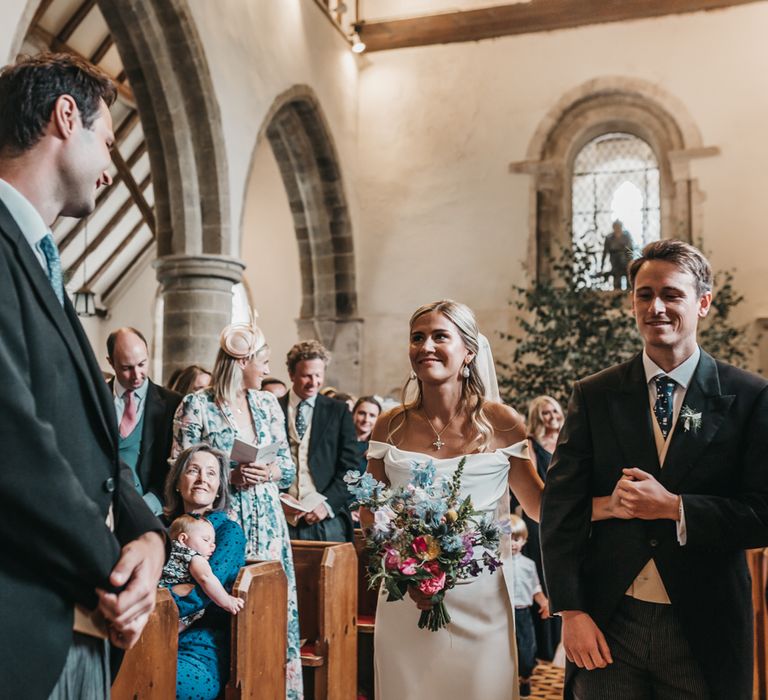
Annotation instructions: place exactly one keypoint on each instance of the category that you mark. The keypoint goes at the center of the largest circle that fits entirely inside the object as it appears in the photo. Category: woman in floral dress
(234, 407)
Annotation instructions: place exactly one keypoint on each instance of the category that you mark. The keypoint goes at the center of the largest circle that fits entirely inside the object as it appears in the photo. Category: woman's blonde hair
(535, 420)
(238, 341)
(472, 387)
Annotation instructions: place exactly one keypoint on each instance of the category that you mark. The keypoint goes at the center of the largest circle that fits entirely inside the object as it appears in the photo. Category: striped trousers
(651, 659)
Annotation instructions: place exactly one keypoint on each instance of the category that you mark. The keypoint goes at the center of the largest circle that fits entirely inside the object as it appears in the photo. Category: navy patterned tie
(53, 261)
(301, 420)
(665, 387)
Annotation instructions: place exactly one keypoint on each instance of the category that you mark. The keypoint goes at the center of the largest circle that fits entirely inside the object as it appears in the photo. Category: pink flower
(419, 545)
(408, 567)
(430, 586)
(391, 559)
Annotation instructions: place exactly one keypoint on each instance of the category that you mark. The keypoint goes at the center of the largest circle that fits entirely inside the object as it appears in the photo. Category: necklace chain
(438, 443)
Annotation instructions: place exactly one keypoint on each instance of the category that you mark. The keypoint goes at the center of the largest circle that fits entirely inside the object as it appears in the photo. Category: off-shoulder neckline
(444, 459)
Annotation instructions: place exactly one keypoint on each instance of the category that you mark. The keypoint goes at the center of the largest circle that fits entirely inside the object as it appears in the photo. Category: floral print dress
(200, 418)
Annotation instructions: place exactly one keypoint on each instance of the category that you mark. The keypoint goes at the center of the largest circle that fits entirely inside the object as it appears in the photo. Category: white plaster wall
(271, 255)
(439, 125)
(257, 50)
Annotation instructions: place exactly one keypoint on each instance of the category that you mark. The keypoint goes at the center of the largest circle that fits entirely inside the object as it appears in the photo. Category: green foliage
(569, 330)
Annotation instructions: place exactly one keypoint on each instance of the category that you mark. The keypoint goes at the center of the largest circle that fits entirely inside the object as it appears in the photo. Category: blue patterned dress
(203, 661)
(257, 508)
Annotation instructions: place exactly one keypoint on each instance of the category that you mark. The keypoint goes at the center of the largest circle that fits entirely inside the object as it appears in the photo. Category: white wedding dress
(475, 656)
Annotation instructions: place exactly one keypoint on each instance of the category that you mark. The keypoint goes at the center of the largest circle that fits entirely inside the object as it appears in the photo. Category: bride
(475, 655)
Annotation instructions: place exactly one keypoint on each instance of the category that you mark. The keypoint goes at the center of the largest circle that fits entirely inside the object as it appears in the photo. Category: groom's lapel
(631, 420)
(703, 396)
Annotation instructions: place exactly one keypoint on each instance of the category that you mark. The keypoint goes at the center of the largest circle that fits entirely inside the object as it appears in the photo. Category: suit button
(654, 543)
(109, 485)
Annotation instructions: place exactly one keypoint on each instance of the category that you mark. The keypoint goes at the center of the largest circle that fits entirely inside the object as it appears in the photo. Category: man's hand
(584, 643)
(316, 515)
(645, 498)
(138, 570)
(292, 514)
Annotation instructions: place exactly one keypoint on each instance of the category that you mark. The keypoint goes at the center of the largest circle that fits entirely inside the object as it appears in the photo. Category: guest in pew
(364, 415)
(197, 485)
(190, 379)
(193, 543)
(322, 439)
(233, 407)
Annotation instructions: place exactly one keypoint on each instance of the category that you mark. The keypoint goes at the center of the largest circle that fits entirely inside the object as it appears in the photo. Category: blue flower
(452, 543)
(422, 475)
(362, 486)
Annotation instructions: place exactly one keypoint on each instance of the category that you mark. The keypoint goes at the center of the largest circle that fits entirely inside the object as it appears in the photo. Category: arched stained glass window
(615, 179)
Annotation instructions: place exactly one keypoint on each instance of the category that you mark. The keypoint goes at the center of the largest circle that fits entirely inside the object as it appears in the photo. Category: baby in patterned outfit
(194, 540)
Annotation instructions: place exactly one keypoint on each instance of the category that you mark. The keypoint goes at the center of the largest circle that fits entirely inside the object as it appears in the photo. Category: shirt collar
(24, 213)
(682, 374)
(294, 400)
(139, 393)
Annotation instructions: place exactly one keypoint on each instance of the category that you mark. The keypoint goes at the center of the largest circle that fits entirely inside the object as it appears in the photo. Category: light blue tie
(301, 419)
(53, 261)
(665, 387)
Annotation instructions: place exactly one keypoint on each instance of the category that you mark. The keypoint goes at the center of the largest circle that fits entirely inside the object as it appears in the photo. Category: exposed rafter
(114, 255)
(54, 44)
(127, 269)
(521, 18)
(75, 21)
(138, 196)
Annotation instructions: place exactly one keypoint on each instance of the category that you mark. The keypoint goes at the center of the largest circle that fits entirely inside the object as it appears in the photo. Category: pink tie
(128, 421)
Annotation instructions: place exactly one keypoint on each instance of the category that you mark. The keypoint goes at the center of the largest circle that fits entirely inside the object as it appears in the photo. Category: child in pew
(194, 540)
(527, 588)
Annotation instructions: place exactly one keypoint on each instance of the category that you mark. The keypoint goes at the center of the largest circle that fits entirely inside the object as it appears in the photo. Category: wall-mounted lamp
(358, 45)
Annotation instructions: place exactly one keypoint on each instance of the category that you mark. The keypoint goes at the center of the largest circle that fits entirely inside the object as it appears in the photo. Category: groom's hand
(645, 498)
(584, 643)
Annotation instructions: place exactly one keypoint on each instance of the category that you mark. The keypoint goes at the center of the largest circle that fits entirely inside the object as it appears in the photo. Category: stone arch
(303, 146)
(165, 63)
(598, 107)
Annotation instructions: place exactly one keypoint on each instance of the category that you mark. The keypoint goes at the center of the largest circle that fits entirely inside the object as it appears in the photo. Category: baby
(194, 540)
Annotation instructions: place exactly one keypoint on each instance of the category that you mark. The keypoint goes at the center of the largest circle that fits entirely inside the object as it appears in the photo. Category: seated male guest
(144, 414)
(322, 439)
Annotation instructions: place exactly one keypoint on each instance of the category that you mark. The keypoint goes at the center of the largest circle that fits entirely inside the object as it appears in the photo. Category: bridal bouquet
(424, 537)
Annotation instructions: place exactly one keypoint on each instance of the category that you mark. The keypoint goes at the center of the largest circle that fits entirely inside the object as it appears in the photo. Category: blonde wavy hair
(238, 341)
(472, 387)
(535, 420)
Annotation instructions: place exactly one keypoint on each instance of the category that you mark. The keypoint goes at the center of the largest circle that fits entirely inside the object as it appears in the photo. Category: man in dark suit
(322, 439)
(78, 537)
(668, 454)
(144, 415)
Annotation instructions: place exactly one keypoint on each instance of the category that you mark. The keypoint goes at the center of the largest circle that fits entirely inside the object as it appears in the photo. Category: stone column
(197, 300)
(344, 338)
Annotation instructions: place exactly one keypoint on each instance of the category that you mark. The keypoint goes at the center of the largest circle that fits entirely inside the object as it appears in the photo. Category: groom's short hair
(682, 255)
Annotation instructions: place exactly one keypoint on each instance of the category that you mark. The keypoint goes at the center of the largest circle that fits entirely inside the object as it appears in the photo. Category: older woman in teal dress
(234, 407)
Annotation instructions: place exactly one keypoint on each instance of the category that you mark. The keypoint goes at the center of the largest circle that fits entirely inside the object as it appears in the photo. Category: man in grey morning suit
(668, 455)
(78, 537)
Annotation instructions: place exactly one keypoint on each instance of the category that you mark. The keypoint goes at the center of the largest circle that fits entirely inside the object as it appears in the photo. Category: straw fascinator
(242, 340)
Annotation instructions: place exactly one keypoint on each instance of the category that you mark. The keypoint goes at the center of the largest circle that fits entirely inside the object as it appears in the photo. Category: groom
(672, 449)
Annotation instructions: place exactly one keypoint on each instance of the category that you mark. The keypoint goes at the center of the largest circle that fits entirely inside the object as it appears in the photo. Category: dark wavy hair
(29, 90)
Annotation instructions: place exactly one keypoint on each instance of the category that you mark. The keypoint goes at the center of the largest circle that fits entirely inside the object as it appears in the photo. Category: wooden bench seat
(326, 583)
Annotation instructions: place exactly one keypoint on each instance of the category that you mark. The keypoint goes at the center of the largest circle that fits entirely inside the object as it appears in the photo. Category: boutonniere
(691, 419)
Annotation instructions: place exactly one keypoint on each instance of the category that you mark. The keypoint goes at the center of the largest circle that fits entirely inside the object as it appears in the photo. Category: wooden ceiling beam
(125, 172)
(75, 20)
(42, 8)
(54, 44)
(117, 217)
(102, 48)
(127, 269)
(522, 18)
(115, 254)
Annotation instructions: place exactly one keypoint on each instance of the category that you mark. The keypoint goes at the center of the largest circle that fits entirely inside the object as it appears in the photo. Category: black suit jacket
(59, 473)
(721, 472)
(156, 437)
(332, 451)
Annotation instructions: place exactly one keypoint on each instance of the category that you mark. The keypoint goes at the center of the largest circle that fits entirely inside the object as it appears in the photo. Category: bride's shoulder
(503, 418)
(387, 422)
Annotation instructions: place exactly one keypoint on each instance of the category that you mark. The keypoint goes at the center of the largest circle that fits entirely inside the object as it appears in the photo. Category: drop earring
(412, 375)
(465, 371)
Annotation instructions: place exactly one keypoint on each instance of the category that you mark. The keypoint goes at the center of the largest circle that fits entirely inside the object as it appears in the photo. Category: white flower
(691, 418)
(382, 519)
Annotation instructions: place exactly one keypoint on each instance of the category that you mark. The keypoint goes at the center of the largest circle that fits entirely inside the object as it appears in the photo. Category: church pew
(259, 633)
(148, 670)
(366, 618)
(326, 582)
(757, 560)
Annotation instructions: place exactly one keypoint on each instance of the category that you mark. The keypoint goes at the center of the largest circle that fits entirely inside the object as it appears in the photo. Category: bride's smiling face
(437, 351)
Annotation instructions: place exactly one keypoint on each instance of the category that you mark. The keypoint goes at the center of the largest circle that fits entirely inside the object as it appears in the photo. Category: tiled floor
(547, 682)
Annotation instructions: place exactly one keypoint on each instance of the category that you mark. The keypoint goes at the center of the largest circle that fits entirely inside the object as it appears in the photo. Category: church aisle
(547, 682)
